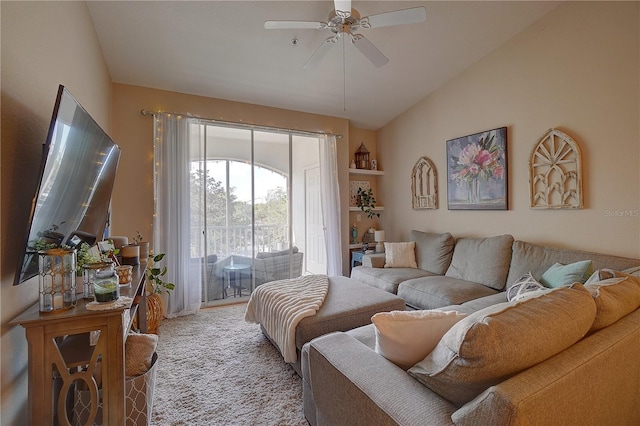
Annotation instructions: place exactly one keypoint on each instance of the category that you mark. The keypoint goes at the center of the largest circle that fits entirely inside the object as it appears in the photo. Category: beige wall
(133, 193)
(577, 69)
(43, 44)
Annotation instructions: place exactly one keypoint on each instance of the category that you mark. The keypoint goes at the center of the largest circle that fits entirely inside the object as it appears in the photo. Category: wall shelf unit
(357, 209)
(366, 172)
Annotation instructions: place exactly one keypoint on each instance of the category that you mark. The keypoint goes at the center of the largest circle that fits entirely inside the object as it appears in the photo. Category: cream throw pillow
(138, 353)
(400, 255)
(406, 337)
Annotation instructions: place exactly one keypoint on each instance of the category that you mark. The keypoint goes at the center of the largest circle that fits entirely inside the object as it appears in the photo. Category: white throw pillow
(634, 271)
(604, 274)
(406, 337)
(400, 255)
(525, 286)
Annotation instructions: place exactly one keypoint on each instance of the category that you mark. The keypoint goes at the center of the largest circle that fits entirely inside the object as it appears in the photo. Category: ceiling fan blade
(320, 52)
(369, 50)
(398, 17)
(294, 25)
(342, 8)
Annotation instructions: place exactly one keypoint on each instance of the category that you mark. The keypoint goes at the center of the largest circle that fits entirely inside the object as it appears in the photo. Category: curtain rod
(237, 123)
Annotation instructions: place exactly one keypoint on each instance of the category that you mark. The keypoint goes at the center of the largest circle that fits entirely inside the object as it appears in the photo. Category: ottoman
(349, 304)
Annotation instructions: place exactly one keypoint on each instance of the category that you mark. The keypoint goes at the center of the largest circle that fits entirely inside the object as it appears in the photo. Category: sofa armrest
(351, 384)
(373, 260)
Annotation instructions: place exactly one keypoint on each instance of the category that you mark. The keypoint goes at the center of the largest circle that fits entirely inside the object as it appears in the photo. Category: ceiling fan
(343, 21)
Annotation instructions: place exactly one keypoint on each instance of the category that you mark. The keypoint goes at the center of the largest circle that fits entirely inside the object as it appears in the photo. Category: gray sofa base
(594, 382)
(349, 304)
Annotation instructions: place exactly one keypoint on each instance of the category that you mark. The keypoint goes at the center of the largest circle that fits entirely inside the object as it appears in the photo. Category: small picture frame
(106, 246)
(353, 191)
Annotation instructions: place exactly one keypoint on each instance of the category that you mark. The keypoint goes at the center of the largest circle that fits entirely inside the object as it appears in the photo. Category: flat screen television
(76, 177)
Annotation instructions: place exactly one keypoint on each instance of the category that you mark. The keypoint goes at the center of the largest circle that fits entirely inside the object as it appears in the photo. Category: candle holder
(362, 157)
(57, 279)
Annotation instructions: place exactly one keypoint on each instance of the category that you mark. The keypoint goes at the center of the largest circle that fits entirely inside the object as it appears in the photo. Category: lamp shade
(379, 237)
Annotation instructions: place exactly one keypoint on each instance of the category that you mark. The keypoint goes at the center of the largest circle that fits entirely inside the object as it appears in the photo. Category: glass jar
(57, 279)
(89, 272)
(106, 287)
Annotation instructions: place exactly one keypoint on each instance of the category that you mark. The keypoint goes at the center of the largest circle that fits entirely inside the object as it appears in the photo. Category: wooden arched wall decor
(555, 173)
(424, 185)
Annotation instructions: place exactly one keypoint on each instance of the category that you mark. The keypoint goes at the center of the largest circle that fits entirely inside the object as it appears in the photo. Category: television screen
(77, 173)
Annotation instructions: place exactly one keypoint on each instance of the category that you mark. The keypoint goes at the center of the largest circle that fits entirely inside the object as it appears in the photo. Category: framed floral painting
(477, 171)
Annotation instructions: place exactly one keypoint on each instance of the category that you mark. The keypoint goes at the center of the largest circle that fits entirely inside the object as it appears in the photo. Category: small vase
(144, 250)
(473, 191)
(130, 254)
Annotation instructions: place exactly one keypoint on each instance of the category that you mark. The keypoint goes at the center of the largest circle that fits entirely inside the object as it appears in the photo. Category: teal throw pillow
(560, 275)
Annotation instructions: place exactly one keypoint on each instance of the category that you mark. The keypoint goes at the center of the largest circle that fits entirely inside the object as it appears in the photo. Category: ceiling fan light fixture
(344, 20)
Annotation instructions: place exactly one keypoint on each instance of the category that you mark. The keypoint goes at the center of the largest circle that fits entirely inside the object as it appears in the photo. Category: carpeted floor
(216, 369)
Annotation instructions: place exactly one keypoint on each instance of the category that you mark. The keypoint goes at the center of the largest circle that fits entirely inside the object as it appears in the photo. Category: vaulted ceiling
(220, 49)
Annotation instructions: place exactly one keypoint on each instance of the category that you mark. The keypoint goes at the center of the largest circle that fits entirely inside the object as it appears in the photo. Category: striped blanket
(280, 305)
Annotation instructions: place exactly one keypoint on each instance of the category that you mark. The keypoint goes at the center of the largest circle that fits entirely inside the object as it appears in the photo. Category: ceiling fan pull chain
(344, 78)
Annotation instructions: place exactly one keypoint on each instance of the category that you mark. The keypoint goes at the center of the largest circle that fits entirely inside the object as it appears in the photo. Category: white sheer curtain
(171, 225)
(330, 196)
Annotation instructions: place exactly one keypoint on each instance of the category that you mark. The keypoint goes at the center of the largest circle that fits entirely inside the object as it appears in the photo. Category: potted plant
(144, 246)
(367, 202)
(157, 287)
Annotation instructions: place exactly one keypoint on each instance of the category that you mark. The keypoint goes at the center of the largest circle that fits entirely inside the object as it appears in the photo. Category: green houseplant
(367, 202)
(155, 275)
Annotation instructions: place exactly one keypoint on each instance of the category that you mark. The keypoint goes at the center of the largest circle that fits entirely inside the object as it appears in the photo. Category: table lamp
(379, 237)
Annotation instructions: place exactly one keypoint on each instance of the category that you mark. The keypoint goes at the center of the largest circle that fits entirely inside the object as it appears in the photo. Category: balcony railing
(224, 241)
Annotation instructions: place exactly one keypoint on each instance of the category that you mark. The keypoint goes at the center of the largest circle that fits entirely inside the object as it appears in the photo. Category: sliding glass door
(255, 212)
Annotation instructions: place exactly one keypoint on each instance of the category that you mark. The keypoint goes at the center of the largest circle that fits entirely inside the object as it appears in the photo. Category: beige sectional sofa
(566, 356)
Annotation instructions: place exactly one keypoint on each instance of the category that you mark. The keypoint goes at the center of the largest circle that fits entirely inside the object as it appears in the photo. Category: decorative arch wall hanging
(424, 185)
(555, 173)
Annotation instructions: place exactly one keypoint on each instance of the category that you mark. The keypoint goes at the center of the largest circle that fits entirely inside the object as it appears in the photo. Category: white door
(316, 257)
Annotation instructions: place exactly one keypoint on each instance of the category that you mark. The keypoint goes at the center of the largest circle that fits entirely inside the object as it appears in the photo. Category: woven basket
(155, 312)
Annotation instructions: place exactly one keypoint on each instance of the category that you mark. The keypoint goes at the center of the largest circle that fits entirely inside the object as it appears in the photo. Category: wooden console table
(59, 348)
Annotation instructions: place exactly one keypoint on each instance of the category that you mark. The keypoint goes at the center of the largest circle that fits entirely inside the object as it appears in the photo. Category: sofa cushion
(615, 298)
(386, 279)
(525, 286)
(433, 292)
(497, 342)
(482, 260)
(635, 271)
(528, 257)
(400, 255)
(406, 337)
(559, 275)
(604, 274)
(433, 251)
